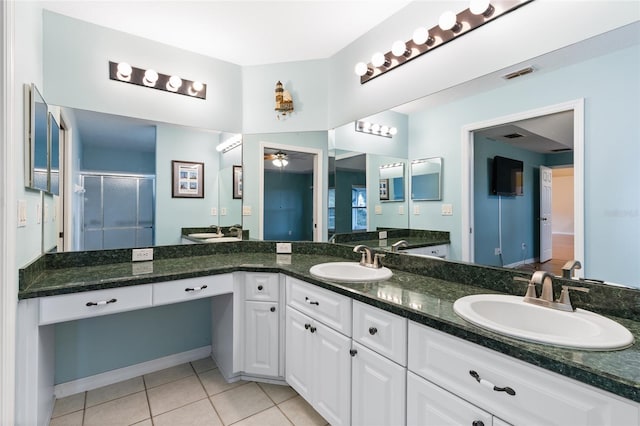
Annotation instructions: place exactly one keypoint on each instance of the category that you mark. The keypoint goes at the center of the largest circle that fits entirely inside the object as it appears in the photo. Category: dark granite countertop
(422, 290)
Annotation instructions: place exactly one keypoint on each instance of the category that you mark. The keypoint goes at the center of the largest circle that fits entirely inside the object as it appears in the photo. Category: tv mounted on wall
(507, 177)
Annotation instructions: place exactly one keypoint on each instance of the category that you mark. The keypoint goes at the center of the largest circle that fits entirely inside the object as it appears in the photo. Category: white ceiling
(242, 32)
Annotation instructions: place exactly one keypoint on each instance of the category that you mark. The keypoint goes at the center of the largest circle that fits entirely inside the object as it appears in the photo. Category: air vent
(523, 71)
(513, 136)
(561, 150)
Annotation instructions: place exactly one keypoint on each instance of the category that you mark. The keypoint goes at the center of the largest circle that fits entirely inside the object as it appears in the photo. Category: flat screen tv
(507, 176)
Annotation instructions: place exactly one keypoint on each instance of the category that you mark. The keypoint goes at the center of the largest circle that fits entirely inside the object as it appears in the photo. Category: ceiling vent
(513, 136)
(523, 71)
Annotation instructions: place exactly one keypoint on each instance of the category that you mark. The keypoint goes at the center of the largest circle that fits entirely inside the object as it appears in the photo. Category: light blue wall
(184, 144)
(95, 345)
(99, 158)
(609, 85)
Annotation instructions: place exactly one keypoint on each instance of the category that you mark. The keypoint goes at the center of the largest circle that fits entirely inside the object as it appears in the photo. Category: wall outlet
(141, 255)
(447, 210)
(382, 235)
(497, 251)
(416, 210)
(214, 211)
(283, 248)
(22, 213)
(246, 210)
(400, 209)
(378, 209)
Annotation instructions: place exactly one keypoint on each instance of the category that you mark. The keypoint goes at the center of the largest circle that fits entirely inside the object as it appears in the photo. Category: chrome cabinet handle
(490, 385)
(102, 302)
(311, 302)
(195, 288)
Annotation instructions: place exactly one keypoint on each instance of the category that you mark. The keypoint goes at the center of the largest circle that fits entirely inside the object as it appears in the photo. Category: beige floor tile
(204, 364)
(73, 419)
(114, 391)
(241, 402)
(167, 375)
(214, 383)
(123, 411)
(145, 422)
(68, 404)
(301, 413)
(278, 393)
(194, 414)
(175, 394)
(271, 417)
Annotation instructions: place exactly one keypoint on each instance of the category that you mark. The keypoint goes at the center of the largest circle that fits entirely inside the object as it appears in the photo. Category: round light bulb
(174, 83)
(447, 20)
(393, 131)
(366, 126)
(361, 69)
(375, 128)
(420, 36)
(378, 59)
(197, 86)
(479, 7)
(398, 48)
(150, 77)
(124, 70)
(384, 130)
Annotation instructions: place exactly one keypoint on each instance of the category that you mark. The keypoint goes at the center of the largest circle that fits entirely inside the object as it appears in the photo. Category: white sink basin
(203, 235)
(221, 239)
(510, 316)
(349, 272)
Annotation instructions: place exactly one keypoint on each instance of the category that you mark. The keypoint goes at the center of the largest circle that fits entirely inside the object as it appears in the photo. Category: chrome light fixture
(229, 144)
(375, 129)
(122, 71)
(450, 26)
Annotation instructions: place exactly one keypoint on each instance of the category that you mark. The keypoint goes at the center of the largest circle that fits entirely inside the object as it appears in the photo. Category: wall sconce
(375, 129)
(229, 144)
(450, 26)
(122, 71)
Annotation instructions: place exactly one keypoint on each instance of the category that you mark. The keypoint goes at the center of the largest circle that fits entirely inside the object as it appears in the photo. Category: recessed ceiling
(240, 32)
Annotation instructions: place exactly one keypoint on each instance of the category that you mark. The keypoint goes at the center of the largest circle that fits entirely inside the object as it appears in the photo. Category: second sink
(349, 272)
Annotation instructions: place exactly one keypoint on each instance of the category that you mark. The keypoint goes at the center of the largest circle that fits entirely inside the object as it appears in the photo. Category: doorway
(522, 253)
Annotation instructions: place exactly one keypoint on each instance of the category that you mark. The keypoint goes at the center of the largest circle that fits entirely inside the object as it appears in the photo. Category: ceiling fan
(279, 159)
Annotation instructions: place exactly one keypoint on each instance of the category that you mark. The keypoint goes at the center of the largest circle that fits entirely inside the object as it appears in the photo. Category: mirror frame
(54, 160)
(437, 197)
(385, 183)
(32, 97)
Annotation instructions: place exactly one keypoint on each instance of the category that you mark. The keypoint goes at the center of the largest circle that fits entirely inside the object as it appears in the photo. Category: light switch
(378, 209)
(246, 210)
(223, 211)
(416, 210)
(214, 211)
(447, 210)
(22, 213)
(400, 209)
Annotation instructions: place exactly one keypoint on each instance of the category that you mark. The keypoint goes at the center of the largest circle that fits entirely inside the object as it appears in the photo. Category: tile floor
(189, 394)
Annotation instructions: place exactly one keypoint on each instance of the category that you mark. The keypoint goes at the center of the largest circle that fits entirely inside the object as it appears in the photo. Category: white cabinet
(262, 326)
(378, 389)
(515, 391)
(191, 288)
(440, 250)
(382, 331)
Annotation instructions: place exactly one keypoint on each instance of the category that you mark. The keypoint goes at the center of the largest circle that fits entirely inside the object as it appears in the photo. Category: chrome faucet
(216, 227)
(367, 259)
(235, 231)
(545, 279)
(569, 267)
(398, 245)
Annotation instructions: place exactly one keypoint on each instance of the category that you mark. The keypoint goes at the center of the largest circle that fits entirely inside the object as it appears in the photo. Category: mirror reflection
(36, 144)
(426, 179)
(54, 156)
(392, 183)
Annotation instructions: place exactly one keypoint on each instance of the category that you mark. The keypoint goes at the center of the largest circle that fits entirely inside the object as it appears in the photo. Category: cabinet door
(261, 338)
(428, 404)
(332, 369)
(378, 389)
(299, 369)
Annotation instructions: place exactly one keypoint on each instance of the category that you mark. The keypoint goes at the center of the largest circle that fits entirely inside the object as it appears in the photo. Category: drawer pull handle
(490, 385)
(312, 329)
(477, 423)
(195, 288)
(260, 288)
(311, 302)
(272, 309)
(102, 302)
(372, 330)
(306, 326)
(353, 352)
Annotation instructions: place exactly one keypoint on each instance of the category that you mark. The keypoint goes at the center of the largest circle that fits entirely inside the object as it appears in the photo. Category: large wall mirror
(392, 182)
(426, 179)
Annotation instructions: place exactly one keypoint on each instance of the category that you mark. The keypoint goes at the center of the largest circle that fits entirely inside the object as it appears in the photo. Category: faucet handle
(564, 295)
(377, 260)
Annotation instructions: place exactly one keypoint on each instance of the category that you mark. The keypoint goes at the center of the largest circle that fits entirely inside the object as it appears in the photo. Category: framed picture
(187, 179)
(237, 182)
(384, 189)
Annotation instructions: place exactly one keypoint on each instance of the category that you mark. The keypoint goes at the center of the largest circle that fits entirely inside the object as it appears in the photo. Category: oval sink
(221, 239)
(203, 235)
(511, 316)
(349, 272)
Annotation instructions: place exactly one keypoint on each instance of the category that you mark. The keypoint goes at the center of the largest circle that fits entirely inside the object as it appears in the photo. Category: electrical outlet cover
(142, 255)
(382, 235)
(283, 248)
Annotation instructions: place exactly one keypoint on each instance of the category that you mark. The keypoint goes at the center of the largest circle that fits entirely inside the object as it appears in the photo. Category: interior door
(546, 251)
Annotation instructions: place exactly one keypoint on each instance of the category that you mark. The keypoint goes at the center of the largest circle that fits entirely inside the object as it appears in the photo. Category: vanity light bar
(229, 144)
(424, 40)
(375, 129)
(122, 71)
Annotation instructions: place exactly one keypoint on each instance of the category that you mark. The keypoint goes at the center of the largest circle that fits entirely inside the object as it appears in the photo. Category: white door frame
(317, 186)
(577, 106)
(546, 214)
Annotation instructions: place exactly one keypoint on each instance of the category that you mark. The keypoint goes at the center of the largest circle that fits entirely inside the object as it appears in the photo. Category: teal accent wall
(288, 206)
(345, 181)
(95, 345)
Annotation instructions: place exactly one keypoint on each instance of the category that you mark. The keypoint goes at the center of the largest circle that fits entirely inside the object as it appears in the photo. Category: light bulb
(366, 126)
(393, 131)
(361, 69)
(479, 7)
(124, 70)
(399, 48)
(197, 86)
(378, 59)
(174, 83)
(384, 130)
(150, 77)
(375, 128)
(447, 20)
(420, 36)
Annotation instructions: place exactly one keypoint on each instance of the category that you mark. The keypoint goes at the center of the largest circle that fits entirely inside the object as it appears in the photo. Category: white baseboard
(114, 376)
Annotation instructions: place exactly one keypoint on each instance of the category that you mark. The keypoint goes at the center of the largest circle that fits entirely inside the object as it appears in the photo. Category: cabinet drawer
(87, 304)
(261, 287)
(323, 305)
(191, 288)
(381, 331)
(541, 397)
(441, 250)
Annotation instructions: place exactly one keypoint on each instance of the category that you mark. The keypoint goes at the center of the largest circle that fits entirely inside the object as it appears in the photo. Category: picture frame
(237, 182)
(187, 179)
(384, 189)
